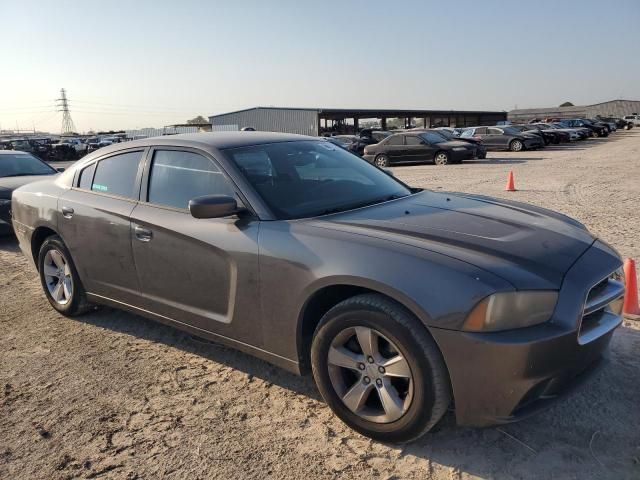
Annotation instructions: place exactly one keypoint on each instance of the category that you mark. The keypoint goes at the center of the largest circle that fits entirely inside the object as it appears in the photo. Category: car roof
(219, 140)
(14, 152)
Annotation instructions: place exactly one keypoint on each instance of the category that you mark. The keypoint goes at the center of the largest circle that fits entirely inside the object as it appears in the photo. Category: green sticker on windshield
(101, 188)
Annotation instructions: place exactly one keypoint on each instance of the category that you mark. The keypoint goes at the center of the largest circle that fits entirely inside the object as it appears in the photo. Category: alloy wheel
(442, 159)
(381, 161)
(370, 374)
(57, 275)
(516, 146)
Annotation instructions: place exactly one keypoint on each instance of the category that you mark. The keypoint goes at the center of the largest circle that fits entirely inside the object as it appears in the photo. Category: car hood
(528, 246)
(11, 183)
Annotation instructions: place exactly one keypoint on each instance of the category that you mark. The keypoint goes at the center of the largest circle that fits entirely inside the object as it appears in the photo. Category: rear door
(394, 148)
(495, 138)
(94, 223)
(194, 270)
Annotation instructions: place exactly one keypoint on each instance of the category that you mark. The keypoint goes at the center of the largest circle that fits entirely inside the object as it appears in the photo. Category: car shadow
(8, 241)
(501, 160)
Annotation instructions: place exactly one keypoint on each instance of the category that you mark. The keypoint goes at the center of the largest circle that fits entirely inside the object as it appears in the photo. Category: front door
(194, 270)
(94, 223)
(417, 150)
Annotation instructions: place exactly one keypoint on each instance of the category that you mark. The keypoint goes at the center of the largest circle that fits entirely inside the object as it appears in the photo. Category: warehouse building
(614, 108)
(318, 121)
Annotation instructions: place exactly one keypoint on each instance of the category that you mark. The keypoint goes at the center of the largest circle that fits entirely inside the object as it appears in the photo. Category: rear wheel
(379, 370)
(382, 161)
(516, 145)
(441, 158)
(59, 278)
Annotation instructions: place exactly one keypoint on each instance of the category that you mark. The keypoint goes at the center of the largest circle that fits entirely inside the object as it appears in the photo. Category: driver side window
(177, 176)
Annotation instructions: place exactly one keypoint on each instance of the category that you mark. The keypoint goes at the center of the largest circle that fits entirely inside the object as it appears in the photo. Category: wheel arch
(40, 234)
(323, 298)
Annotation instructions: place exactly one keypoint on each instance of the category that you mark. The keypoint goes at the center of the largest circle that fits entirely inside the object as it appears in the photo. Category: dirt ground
(112, 395)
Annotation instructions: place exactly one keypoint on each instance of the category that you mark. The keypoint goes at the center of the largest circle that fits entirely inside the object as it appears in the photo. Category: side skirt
(277, 360)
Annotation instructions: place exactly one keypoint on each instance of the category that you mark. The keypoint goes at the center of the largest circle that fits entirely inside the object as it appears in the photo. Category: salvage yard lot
(112, 395)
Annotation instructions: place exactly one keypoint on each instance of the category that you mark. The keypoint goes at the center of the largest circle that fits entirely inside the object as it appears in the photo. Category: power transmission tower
(63, 105)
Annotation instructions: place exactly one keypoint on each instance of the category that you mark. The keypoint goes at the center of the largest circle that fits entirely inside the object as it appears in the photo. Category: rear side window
(494, 131)
(177, 177)
(411, 140)
(481, 131)
(86, 177)
(116, 175)
(395, 140)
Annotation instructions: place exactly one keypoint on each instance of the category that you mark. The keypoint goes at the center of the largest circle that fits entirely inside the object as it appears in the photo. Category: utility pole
(63, 104)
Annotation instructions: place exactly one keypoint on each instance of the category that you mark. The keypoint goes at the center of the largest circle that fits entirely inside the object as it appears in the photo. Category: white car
(635, 119)
(78, 145)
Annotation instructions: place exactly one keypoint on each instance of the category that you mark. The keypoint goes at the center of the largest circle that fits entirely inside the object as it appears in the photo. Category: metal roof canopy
(340, 113)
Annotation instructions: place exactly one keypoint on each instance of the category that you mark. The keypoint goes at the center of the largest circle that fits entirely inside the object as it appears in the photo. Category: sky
(142, 63)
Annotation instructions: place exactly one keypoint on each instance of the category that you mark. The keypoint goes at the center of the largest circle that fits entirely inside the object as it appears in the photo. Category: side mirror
(388, 171)
(213, 206)
(61, 169)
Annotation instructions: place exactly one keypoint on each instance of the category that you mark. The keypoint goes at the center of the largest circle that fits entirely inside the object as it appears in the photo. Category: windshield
(310, 178)
(13, 165)
(433, 137)
(446, 134)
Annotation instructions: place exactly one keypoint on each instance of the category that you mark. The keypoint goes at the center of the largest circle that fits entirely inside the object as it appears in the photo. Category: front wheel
(516, 146)
(59, 278)
(382, 161)
(379, 370)
(441, 158)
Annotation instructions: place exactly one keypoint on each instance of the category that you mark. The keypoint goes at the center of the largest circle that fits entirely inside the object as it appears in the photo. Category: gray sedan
(399, 300)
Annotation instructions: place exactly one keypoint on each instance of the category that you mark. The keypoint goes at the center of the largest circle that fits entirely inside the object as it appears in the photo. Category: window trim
(146, 178)
(136, 186)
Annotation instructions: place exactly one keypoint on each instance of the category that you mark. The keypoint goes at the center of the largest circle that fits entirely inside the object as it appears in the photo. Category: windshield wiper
(387, 198)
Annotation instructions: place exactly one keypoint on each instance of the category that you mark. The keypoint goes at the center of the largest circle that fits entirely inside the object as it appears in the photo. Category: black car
(504, 138)
(619, 122)
(481, 151)
(18, 168)
(598, 130)
(424, 146)
(548, 137)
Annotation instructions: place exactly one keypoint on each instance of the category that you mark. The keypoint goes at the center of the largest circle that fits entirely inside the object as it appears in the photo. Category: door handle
(143, 234)
(67, 212)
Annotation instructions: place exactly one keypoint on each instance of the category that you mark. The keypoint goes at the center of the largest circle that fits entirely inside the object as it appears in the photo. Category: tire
(441, 158)
(381, 161)
(516, 145)
(420, 401)
(64, 290)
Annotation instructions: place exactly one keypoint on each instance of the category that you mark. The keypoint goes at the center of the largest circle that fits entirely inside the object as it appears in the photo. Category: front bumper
(505, 376)
(533, 143)
(5, 211)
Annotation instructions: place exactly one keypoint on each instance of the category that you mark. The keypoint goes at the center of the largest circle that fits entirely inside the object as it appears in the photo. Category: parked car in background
(571, 133)
(18, 168)
(400, 301)
(635, 119)
(619, 122)
(421, 147)
(373, 135)
(451, 135)
(598, 130)
(582, 132)
(547, 136)
(78, 145)
(504, 138)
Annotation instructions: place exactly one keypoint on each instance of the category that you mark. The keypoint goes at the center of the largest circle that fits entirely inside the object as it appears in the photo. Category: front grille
(602, 309)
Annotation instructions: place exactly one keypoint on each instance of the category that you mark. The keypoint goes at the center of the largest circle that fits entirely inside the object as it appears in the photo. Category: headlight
(459, 149)
(505, 311)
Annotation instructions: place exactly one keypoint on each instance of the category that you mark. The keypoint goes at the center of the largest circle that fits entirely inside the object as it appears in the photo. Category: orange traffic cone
(631, 308)
(510, 184)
